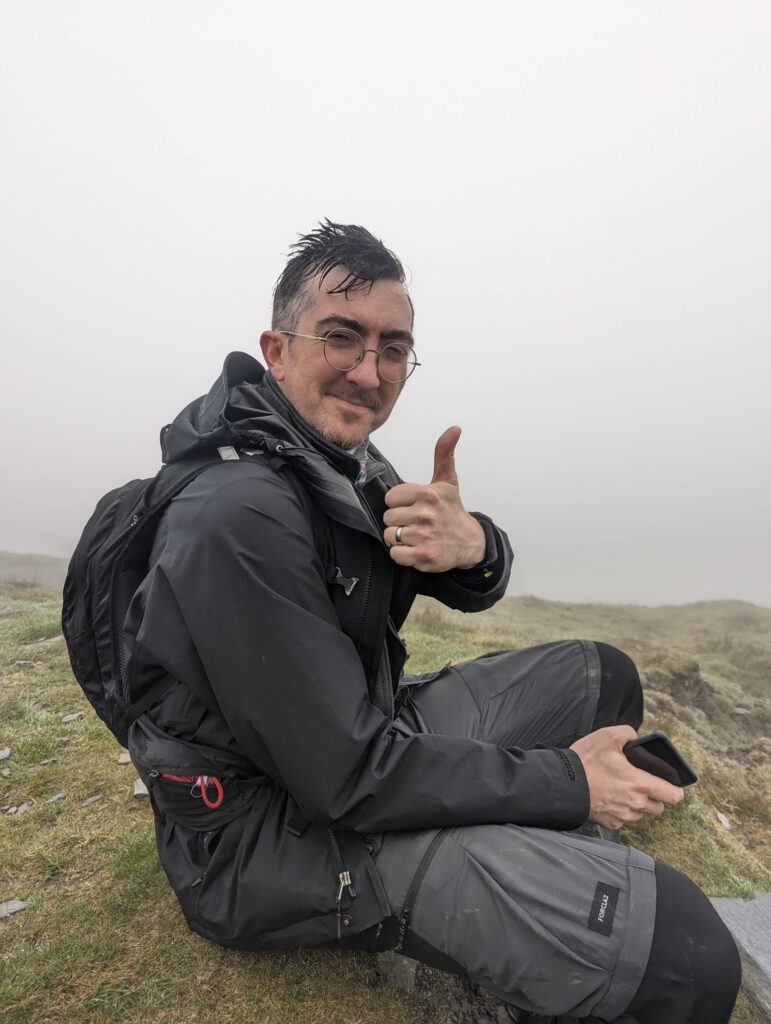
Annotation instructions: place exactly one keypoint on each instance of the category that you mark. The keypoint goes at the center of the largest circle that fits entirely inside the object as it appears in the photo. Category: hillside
(44, 569)
(102, 941)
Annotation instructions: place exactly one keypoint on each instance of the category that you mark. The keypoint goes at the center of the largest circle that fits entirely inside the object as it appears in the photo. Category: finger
(621, 733)
(659, 789)
(403, 554)
(654, 807)
(400, 516)
(402, 494)
(444, 457)
(390, 536)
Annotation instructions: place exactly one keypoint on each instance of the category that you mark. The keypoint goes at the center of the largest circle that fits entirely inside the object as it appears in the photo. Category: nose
(365, 374)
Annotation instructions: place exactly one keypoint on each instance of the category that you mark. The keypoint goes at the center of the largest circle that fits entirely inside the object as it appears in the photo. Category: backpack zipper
(412, 892)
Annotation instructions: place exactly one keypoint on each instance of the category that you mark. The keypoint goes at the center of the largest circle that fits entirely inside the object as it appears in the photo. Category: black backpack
(108, 565)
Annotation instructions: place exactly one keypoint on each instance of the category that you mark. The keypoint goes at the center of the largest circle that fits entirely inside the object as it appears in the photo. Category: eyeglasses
(344, 350)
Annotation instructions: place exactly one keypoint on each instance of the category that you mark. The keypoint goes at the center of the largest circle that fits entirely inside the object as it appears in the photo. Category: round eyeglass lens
(396, 362)
(344, 349)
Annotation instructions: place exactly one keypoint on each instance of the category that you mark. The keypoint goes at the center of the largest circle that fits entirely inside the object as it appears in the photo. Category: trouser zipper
(412, 892)
(344, 882)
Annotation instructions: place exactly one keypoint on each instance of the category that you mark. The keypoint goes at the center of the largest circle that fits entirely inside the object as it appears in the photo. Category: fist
(619, 793)
(426, 525)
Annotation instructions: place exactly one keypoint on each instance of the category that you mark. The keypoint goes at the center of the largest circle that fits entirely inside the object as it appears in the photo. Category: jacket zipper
(412, 892)
(386, 682)
(343, 881)
(383, 678)
(363, 619)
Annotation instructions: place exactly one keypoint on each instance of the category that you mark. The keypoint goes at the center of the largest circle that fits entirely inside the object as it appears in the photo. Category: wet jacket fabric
(272, 607)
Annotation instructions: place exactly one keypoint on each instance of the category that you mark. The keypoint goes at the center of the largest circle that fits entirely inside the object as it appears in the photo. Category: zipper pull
(345, 883)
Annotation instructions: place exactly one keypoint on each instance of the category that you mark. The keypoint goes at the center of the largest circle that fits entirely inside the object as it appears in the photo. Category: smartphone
(657, 754)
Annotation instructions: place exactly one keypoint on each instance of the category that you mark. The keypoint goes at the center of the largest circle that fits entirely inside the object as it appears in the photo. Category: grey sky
(580, 192)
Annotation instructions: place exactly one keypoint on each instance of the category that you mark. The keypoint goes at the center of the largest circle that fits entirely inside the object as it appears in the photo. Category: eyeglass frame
(377, 352)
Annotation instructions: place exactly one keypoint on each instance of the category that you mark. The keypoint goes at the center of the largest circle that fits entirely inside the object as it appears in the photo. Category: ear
(274, 346)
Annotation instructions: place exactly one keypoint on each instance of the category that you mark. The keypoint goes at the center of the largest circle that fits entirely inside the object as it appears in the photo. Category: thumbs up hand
(427, 526)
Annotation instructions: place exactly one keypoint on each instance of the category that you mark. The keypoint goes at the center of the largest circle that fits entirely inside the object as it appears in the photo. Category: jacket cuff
(565, 800)
(486, 575)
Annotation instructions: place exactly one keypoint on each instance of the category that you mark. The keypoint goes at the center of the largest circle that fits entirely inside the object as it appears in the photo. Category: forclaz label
(603, 908)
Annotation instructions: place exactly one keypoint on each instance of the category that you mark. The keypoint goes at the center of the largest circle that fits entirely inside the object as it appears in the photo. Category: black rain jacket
(271, 607)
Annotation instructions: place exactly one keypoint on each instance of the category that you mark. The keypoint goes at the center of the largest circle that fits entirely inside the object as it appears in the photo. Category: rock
(72, 718)
(740, 711)
(724, 820)
(49, 760)
(140, 790)
(92, 800)
(65, 739)
(5, 809)
(57, 798)
(5, 772)
(749, 921)
(5, 753)
(45, 640)
(11, 907)
(396, 971)
(124, 758)
(12, 810)
(23, 808)
(449, 997)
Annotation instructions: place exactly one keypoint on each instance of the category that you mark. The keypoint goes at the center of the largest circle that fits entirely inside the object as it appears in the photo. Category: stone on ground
(749, 921)
(11, 907)
(453, 998)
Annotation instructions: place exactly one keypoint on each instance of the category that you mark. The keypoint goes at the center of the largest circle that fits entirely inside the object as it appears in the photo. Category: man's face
(344, 406)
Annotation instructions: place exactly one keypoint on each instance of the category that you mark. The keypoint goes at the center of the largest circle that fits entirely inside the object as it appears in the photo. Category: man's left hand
(435, 532)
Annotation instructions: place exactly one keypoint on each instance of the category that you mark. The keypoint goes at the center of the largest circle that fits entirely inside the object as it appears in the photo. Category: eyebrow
(354, 325)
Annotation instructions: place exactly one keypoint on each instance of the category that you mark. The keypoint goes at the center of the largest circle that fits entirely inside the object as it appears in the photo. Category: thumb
(444, 462)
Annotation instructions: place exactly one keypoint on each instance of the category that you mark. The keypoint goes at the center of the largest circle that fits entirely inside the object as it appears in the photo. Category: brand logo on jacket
(603, 908)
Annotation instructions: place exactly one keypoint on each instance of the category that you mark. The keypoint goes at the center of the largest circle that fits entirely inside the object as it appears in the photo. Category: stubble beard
(346, 443)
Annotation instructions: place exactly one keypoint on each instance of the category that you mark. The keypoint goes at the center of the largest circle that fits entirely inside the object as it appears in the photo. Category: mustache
(354, 395)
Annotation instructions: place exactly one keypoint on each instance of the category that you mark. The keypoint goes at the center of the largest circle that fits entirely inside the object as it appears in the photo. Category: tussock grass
(102, 939)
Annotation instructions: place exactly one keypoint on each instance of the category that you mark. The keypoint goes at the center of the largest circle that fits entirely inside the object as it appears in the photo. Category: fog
(580, 193)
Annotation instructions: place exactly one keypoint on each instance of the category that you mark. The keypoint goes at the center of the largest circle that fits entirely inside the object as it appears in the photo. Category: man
(334, 800)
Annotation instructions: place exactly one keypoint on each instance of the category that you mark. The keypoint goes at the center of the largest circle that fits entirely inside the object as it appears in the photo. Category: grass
(102, 940)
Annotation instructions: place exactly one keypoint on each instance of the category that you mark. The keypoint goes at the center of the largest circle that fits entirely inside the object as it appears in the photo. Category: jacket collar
(246, 409)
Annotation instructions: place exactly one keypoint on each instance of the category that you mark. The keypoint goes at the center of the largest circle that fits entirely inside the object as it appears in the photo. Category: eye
(396, 355)
(343, 340)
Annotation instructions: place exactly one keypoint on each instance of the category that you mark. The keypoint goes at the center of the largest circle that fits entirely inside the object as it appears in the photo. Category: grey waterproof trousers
(552, 922)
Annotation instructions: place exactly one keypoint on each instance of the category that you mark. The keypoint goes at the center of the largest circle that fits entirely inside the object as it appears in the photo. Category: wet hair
(328, 246)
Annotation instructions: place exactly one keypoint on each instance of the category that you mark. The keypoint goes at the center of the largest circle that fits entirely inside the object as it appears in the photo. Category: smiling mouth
(356, 403)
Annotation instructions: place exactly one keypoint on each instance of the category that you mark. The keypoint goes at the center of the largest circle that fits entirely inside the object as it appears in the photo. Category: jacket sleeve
(477, 588)
(240, 591)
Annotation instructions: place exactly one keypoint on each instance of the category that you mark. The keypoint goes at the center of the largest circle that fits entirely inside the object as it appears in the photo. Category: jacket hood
(245, 409)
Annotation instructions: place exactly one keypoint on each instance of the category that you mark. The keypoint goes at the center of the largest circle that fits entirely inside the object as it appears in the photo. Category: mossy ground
(102, 940)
